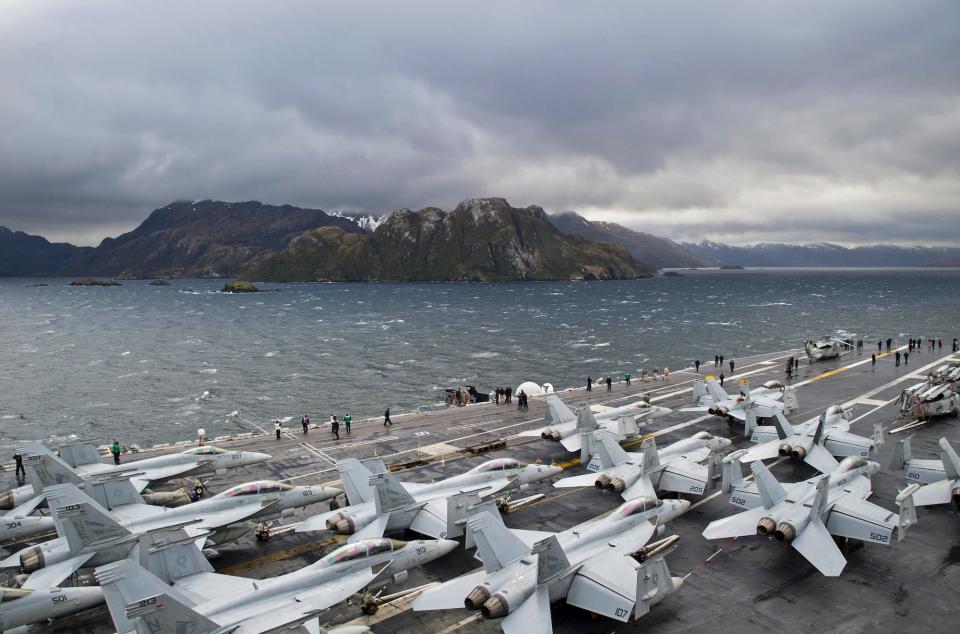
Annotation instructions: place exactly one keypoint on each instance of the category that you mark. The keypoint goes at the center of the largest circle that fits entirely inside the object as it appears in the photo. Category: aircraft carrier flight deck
(748, 584)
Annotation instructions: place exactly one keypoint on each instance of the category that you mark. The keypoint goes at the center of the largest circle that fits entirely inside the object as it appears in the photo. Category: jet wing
(52, 575)
(333, 592)
(432, 519)
(763, 451)
(26, 508)
(641, 488)
(571, 443)
(210, 585)
(172, 471)
(817, 546)
(738, 525)
(372, 530)
(630, 541)
(606, 585)
(533, 615)
(450, 594)
(683, 476)
(859, 519)
(135, 513)
(937, 493)
(821, 459)
(231, 516)
(696, 455)
(533, 433)
(585, 480)
(764, 433)
(695, 409)
(843, 443)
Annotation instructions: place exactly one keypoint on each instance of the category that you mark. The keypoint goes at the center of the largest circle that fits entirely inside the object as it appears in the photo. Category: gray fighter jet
(808, 514)
(91, 534)
(676, 467)
(940, 478)
(20, 608)
(566, 426)
(814, 441)
(589, 565)
(86, 460)
(380, 503)
(710, 397)
(199, 601)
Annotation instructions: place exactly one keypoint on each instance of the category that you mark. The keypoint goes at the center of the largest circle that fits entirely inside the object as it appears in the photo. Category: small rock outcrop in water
(483, 239)
(160, 282)
(93, 282)
(240, 287)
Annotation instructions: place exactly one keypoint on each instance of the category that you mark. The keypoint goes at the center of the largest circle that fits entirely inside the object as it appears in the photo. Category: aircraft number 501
(58, 598)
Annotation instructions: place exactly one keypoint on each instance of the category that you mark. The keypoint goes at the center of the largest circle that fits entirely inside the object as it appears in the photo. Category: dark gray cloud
(738, 121)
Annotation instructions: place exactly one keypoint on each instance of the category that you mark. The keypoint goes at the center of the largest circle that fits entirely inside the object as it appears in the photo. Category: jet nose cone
(872, 467)
(724, 442)
(552, 470)
(255, 457)
(683, 506)
(446, 546)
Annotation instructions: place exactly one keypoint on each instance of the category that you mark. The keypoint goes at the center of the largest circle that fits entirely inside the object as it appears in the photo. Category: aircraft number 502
(736, 500)
(879, 537)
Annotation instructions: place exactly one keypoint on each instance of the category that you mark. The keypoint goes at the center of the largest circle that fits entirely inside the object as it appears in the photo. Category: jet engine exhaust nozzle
(31, 560)
(346, 526)
(766, 526)
(617, 485)
(477, 597)
(495, 607)
(798, 453)
(602, 482)
(333, 520)
(6, 500)
(785, 532)
(956, 496)
(784, 450)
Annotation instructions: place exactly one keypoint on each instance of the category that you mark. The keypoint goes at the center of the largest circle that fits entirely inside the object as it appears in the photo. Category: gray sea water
(152, 363)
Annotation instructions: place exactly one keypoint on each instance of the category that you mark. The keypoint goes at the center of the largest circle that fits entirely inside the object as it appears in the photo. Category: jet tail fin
(790, 402)
(714, 471)
(654, 583)
(388, 493)
(585, 418)
(698, 391)
(356, 480)
(717, 393)
(745, 388)
(460, 508)
(731, 473)
(651, 459)
(162, 614)
(901, 455)
(770, 490)
(818, 508)
(124, 581)
(45, 469)
(76, 454)
(607, 451)
(818, 438)
(784, 428)
(879, 435)
(552, 561)
(749, 422)
(83, 521)
(908, 511)
(557, 411)
(951, 462)
(497, 545)
(114, 490)
(171, 554)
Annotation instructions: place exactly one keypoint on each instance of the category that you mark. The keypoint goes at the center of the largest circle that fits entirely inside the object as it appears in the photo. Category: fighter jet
(940, 478)
(814, 441)
(676, 467)
(710, 397)
(380, 503)
(589, 565)
(86, 460)
(566, 427)
(20, 607)
(806, 514)
(91, 534)
(200, 601)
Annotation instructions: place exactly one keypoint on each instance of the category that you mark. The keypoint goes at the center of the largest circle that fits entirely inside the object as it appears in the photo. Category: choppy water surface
(153, 363)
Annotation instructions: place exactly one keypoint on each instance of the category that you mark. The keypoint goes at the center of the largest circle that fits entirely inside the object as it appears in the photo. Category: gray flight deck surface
(749, 584)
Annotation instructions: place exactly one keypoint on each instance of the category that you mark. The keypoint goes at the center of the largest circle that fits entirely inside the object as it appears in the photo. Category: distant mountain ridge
(823, 254)
(483, 239)
(644, 247)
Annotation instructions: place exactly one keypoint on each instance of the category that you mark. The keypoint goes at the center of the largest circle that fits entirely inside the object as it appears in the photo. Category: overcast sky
(733, 121)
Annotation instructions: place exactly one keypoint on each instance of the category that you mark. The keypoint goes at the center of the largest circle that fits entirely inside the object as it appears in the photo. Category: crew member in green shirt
(346, 422)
